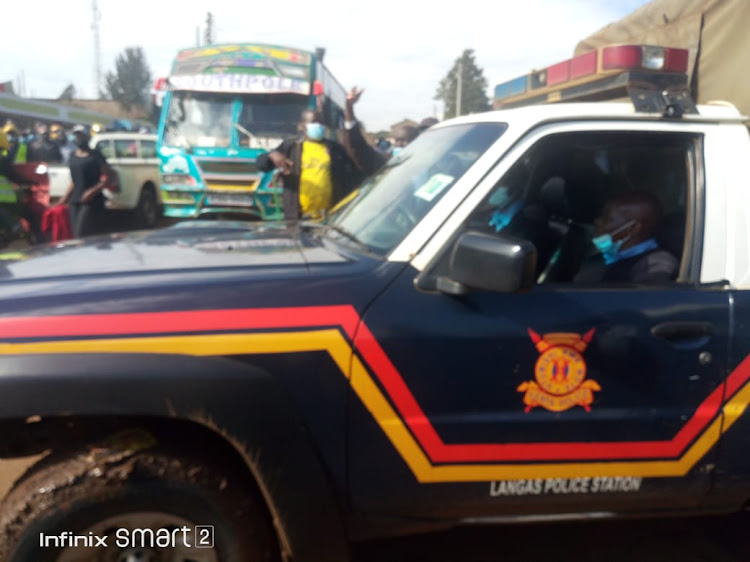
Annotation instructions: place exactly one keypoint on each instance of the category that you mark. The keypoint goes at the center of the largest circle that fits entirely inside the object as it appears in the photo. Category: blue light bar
(514, 87)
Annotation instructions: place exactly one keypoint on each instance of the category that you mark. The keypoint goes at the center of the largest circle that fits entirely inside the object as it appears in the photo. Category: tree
(473, 87)
(68, 93)
(131, 82)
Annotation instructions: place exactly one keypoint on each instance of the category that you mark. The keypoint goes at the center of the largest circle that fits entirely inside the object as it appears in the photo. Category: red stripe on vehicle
(383, 369)
(181, 321)
(440, 452)
(738, 378)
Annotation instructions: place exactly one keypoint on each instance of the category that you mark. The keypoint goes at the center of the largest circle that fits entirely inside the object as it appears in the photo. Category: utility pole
(458, 88)
(97, 48)
(209, 29)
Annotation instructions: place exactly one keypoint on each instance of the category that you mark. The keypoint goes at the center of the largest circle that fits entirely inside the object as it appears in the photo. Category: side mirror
(503, 264)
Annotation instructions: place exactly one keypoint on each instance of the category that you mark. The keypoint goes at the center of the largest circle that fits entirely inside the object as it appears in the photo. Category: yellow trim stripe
(340, 350)
(330, 340)
(214, 188)
(404, 442)
(736, 407)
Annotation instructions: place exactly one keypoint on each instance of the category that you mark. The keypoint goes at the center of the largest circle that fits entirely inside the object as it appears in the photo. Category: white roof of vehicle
(531, 114)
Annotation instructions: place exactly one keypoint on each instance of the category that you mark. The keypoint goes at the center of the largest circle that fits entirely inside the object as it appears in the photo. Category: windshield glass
(393, 201)
(198, 119)
(267, 119)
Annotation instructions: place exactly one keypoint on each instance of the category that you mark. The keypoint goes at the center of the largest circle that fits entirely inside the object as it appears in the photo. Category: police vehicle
(426, 357)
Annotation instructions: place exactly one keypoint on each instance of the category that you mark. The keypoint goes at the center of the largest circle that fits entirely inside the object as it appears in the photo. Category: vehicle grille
(241, 167)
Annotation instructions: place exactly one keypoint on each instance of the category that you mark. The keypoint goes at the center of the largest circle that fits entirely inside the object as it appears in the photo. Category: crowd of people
(52, 144)
(55, 144)
(318, 172)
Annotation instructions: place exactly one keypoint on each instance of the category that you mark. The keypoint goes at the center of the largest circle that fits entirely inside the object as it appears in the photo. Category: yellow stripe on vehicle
(333, 342)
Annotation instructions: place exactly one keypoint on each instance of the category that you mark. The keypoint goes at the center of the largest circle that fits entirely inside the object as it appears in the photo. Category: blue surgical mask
(315, 131)
(609, 248)
(396, 150)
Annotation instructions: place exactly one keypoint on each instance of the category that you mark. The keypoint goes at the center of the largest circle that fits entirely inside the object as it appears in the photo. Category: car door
(148, 166)
(125, 161)
(569, 397)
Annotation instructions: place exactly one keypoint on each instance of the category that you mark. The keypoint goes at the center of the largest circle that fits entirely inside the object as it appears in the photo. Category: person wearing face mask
(89, 173)
(68, 147)
(43, 149)
(317, 172)
(626, 247)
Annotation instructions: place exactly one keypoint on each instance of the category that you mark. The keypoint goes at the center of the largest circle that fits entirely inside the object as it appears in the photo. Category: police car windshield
(388, 206)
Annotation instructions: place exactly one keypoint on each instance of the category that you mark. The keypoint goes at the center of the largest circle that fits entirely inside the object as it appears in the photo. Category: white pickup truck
(133, 156)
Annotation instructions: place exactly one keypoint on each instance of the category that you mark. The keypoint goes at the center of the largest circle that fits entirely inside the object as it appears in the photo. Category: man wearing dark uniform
(624, 238)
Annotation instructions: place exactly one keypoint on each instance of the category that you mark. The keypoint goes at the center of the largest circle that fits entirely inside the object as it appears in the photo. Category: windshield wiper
(346, 234)
(242, 129)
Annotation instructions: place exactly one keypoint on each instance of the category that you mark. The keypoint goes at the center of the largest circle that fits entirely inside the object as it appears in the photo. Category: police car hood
(186, 246)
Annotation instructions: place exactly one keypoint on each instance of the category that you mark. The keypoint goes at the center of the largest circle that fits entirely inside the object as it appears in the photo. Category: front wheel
(149, 506)
(147, 212)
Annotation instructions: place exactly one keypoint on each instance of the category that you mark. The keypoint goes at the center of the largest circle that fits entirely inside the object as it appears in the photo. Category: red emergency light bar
(592, 66)
(644, 57)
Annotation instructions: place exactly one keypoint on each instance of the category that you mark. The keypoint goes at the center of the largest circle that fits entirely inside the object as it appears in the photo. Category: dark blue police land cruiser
(429, 356)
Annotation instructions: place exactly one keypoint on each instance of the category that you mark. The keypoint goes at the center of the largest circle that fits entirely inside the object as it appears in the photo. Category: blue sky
(397, 50)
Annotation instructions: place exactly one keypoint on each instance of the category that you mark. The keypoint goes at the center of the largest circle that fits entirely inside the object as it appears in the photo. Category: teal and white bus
(222, 106)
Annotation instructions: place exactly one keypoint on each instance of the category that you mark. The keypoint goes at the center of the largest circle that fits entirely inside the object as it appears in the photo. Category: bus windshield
(199, 119)
(206, 119)
(271, 115)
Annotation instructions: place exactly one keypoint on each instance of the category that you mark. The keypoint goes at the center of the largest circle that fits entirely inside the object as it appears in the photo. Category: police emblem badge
(560, 373)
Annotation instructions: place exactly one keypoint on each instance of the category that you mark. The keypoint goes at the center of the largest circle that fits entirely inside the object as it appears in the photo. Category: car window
(598, 207)
(393, 201)
(126, 148)
(105, 147)
(148, 149)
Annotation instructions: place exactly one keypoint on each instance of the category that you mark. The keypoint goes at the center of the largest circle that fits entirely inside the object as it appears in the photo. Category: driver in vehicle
(627, 250)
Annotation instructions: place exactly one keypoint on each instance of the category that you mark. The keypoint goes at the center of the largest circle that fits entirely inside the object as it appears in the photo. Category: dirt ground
(12, 469)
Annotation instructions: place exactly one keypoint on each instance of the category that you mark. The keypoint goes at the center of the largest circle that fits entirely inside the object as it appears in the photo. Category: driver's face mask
(610, 248)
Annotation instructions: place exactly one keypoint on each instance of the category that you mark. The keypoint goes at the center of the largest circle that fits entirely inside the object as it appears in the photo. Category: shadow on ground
(714, 539)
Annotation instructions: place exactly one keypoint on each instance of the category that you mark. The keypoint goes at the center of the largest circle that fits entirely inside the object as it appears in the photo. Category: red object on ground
(56, 225)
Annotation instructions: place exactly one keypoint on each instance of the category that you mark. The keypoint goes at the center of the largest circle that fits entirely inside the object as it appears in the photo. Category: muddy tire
(97, 494)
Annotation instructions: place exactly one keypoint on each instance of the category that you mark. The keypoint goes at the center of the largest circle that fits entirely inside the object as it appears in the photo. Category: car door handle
(684, 332)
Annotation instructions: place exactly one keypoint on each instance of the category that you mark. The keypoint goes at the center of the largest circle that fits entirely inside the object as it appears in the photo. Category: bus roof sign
(239, 84)
(242, 68)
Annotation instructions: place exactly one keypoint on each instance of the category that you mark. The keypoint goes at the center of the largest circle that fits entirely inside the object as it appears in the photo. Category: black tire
(79, 492)
(147, 212)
